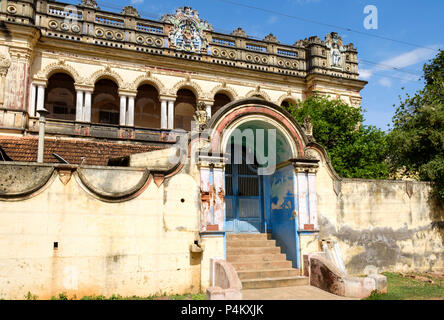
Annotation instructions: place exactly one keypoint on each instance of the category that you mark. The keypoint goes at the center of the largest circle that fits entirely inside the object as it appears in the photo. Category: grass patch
(400, 287)
(188, 296)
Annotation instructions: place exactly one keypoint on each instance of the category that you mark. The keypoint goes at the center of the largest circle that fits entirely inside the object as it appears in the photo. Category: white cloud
(409, 58)
(365, 73)
(136, 1)
(385, 82)
(401, 61)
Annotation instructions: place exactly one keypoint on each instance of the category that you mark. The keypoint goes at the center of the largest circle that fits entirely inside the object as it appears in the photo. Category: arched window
(220, 99)
(60, 97)
(184, 108)
(147, 107)
(105, 102)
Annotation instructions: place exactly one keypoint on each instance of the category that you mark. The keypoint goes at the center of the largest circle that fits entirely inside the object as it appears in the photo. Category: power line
(325, 24)
(156, 16)
(386, 66)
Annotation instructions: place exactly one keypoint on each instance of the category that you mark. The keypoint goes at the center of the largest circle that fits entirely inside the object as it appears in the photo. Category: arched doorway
(272, 188)
(255, 147)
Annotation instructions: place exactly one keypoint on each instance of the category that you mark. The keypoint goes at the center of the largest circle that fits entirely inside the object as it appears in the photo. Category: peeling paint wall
(64, 239)
(390, 225)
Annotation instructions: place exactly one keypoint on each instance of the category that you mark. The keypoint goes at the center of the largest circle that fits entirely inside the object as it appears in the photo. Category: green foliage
(356, 151)
(417, 139)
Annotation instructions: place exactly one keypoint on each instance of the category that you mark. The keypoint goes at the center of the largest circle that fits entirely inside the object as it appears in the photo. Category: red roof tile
(24, 149)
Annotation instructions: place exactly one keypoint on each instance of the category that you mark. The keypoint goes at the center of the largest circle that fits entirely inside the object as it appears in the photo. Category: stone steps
(262, 283)
(233, 258)
(252, 250)
(268, 273)
(260, 263)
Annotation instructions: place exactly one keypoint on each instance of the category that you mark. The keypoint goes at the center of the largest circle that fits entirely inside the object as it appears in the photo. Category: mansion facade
(103, 209)
(117, 76)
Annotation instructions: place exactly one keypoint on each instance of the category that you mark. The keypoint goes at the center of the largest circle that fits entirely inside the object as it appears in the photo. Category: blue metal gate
(243, 194)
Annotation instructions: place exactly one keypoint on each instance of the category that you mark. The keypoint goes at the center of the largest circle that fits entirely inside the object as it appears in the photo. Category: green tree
(356, 151)
(417, 138)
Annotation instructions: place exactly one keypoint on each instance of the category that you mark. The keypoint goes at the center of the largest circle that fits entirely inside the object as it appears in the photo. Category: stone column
(41, 144)
(312, 199)
(170, 114)
(212, 193)
(40, 97)
(130, 113)
(87, 107)
(208, 109)
(122, 110)
(79, 105)
(163, 114)
(31, 104)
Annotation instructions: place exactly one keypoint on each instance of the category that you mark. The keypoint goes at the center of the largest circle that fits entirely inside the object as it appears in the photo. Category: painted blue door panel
(283, 213)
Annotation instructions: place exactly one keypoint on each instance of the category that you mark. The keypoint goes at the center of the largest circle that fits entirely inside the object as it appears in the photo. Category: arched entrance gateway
(256, 177)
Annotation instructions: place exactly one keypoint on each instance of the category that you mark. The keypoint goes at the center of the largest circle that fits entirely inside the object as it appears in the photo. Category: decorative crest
(89, 4)
(187, 33)
(239, 32)
(271, 38)
(130, 11)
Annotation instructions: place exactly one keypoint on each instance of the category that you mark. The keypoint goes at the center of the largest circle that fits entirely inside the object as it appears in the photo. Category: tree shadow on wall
(437, 214)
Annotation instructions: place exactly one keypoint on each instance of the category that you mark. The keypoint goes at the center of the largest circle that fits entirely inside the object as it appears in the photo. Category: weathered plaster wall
(139, 246)
(390, 225)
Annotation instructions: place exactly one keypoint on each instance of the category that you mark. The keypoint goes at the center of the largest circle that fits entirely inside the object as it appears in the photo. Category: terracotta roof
(24, 149)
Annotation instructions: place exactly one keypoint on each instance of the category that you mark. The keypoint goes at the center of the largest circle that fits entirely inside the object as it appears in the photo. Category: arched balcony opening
(60, 97)
(147, 107)
(184, 109)
(105, 102)
(220, 99)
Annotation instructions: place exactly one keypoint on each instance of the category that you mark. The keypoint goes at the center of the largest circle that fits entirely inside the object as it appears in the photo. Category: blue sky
(412, 21)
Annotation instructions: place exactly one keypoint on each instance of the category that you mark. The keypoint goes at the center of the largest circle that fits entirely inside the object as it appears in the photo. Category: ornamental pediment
(188, 30)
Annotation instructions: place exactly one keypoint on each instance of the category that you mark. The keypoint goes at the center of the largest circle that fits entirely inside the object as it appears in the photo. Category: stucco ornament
(130, 11)
(308, 126)
(187, 33)
(201, 116)
(89, 4)
(5, 63)
(334, 43)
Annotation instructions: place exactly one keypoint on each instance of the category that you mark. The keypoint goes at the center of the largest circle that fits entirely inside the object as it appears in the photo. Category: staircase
(259, 262)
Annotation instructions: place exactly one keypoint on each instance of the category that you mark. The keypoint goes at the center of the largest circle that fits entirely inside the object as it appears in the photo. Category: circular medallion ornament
(99, 32)
(53, 24)
(64, 26)
(158, 42)
(12, 9)
(75, 28)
